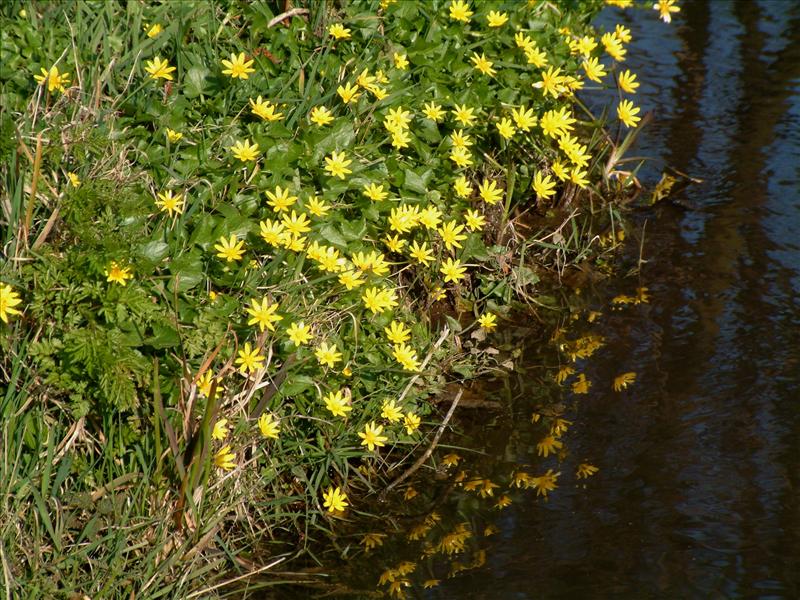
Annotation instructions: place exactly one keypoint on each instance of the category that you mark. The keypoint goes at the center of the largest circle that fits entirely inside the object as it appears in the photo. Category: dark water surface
(698, 493)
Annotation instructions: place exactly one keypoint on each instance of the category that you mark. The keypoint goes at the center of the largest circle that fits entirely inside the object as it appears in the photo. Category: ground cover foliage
(244, 245)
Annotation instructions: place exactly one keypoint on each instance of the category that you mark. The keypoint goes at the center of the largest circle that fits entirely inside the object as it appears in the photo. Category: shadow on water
(698, 492)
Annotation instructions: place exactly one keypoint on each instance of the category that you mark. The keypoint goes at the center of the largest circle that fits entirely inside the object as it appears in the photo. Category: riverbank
(245, 252)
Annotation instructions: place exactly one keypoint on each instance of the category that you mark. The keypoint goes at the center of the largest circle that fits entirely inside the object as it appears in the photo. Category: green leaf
(154, 251)
(195, 82)
(454, 325)
(354, 230)
(188, 271)
(330, 234)
(417, 183)
(164, 336)
(296, 384)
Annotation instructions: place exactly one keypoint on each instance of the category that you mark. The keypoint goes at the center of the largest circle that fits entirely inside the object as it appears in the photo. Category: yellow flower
(296, 224)
(263, 314)
(400, 61)
(379, 300)
(220, 430)
(269, 426)
(488, 321)
(337, 404)
(585, 46)
(433, 111)
(545, 483)
(9, 299)
(348, 93)
(335, 500)
(391, 412)
(299, 333)
(627, 112)
(523, 41)
(475, 221)
(582, 385)
(400, 139)
(371, 436)
(421, 252)
(452, 270)
(225, 459)
(272, 232)
(559, 170)
(317, 207)
(621, 382)
(320, 116)
(462, 187)
(496, 19)
(548, 446)
(585, 470)
(489, 191)
(395, 243)
(451, 460)
(411, 422)
(265, 109)
(559, 426)
(461, 156)
(594, 70)
(280, 200)
(665, 9)
(578, 177)
(622, 33)
(483, 64)
(464, 115)
(168, 203)
(397, 332)
(396, 119)
(117, 274)
(459, 11)
(613, 47)
(524, 118)
(451, 235)
(351, 279)
(375, 192)
(159, 69)
(173, 136)
(339, 32)
(552, 82)
(336, 164)
(238, 67)
(230, 249)
(378, 92)
(506, 129)
(627, 82)
(204, 385)
(543, 185)
(536, 57)
(249, 359)
(328, 355)
(372, 540)
(74, 179)
(406, 356)
(244, 151)
(54, 79)
(502, 502)
(555, 123)
(154, 30)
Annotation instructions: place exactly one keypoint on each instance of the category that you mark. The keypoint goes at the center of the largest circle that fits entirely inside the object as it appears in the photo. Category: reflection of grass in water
(454, 534)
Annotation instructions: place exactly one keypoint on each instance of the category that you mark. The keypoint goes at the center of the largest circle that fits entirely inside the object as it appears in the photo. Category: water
(698, 492)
